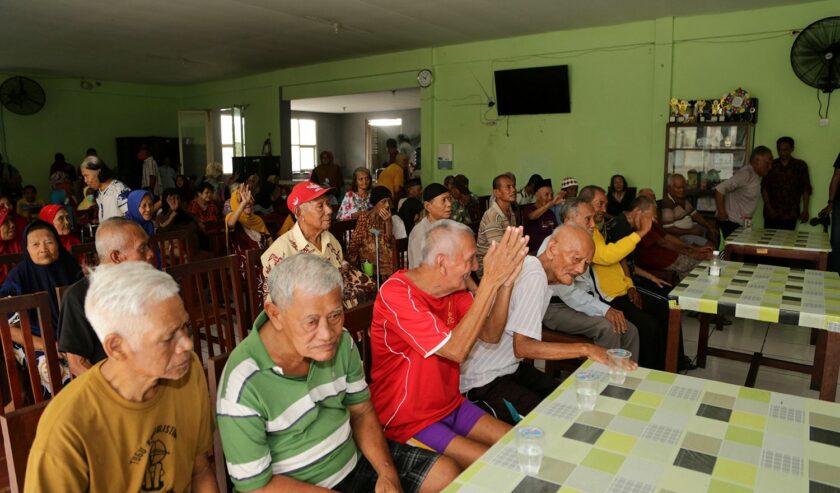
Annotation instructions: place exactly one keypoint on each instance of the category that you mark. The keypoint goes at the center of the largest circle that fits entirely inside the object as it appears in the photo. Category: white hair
(91, 162)
(309, 273)
(113, 235)
(119, 296)
(440, 239)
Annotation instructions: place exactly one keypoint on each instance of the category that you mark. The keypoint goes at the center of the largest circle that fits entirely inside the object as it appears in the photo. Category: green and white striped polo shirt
(297, 426)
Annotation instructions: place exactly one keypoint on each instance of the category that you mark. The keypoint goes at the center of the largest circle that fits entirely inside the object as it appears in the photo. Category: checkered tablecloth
(812, 241)
(807, 298)
(670, 433)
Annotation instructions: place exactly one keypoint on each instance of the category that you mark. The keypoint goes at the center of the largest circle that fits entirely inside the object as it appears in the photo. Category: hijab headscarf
(28, 277)
(13, 245)
(250, 221)
(48, 214)
(133, 212)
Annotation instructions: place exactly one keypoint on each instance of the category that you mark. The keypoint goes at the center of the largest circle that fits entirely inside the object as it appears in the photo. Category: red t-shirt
(649, 255)
(412, 387)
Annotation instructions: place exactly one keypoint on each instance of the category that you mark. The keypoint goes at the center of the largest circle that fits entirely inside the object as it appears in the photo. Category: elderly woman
(357, 200)
(45, 266)
(112, 198)
(362, 246)
(310, 234)
(140, 207)
(619, 196)
(538, 218)
(9, 238)
(245, 230)
(58, 216)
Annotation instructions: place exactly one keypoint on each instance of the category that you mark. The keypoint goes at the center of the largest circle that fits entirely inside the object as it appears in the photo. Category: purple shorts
(460, 422)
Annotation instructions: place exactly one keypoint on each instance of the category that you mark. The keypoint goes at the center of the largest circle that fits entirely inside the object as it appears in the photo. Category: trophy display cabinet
(706, 153)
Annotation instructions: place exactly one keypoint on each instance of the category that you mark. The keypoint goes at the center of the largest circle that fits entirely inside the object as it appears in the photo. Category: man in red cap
(309, 203)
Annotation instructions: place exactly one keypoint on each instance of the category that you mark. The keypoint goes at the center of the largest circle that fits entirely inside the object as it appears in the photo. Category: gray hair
(440, 239)
(113, 235)
(309, 273)
(672, 177)
(119, 296)
(587, 193)
(92, 162)
(570, 208)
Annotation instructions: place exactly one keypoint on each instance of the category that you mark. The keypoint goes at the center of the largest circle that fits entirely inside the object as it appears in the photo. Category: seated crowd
(451, 337)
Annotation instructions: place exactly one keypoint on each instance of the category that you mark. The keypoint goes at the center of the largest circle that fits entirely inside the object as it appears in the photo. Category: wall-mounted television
(533, 91)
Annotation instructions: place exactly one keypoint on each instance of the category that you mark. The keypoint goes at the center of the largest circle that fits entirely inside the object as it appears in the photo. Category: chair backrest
(343, 230)
(212, 294)
(483, 205)
(19, 429)
(216, 237)
(357, 321)
(40, 302)
(254, 279)
(176, 247)
(86, 254)
(215, 368)
(402, 254)
(274, 222)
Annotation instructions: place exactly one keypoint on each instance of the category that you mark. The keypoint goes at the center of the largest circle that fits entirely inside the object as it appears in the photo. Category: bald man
(494, 373)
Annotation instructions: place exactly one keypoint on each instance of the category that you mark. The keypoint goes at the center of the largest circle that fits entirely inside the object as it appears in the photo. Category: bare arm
(832, 190)
(245, 197)
(203, 480)
(539, 211)
(367, 432)
(496, 321)
(721, 207)
(526, 347)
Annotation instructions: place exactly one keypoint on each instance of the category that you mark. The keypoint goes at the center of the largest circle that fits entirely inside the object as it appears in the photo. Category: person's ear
(273, 312)
(116, 347)
(116, 257)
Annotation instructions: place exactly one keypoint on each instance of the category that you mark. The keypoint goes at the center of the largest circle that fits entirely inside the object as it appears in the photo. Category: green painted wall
(621, 79)
(74, 119)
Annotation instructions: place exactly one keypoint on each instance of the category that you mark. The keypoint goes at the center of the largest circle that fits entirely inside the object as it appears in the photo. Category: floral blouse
(352, 204)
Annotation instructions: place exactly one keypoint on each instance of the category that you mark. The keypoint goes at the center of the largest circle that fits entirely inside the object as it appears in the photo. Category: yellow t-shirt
(91, 439)
(392, 178)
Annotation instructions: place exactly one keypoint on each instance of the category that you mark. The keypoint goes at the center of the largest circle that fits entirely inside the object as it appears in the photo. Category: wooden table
(810, 246)
(799, 297)
(664, 432)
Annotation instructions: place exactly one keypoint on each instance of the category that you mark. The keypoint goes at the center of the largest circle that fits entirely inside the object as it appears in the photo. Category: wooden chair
(212, 294)
(19, 429)
(274, 222)
(86, 254)
(40, 302)
(176, 247)
(215, 368)
(357, 321)
(253, 279)
(343, 230)
(402, 254)
(216, 237)
(483, 205)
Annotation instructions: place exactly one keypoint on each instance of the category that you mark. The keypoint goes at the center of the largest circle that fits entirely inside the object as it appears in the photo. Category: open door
(195, 137)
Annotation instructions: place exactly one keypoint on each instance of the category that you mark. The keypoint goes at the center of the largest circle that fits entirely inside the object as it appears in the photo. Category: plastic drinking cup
(619, 360)
(586, 386)
(529, 448)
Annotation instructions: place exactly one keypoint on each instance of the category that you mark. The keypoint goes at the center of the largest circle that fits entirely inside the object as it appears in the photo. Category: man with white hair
(293, 408)
(117, 240)
(425, 323)
(124, 425)
(494, 373)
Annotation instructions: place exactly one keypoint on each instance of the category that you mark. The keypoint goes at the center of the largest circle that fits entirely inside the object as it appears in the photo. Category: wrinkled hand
(387, 485)
(559, 198)
(645, 223)
(385, 213)
(659, 283)
(616, 318)
(598, 354)
(803, 217)
(245, 194)
(635, 297)
(504, 259)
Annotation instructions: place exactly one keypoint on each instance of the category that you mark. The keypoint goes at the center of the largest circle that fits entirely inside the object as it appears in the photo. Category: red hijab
(48, 214)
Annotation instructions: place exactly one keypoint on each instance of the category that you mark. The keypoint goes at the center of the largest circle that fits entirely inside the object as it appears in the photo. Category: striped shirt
(528, 304)
(492, 227)
(297, 426)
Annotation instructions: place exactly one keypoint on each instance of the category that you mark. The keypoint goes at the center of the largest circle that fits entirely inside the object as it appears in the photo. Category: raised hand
(504, 259)
(245, 194)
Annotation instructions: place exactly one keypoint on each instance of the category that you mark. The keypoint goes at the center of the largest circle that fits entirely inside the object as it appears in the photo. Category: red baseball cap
(304, 192)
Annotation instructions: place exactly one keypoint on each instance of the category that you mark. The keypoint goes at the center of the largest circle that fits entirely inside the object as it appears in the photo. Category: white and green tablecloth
(664, 432)
(814, 241)
(807, 298)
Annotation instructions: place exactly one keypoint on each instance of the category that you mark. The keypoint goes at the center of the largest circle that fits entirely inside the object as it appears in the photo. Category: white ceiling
(184, 41)
(401, 99)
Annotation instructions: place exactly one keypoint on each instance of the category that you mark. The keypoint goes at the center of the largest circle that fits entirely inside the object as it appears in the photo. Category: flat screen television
(533, 91)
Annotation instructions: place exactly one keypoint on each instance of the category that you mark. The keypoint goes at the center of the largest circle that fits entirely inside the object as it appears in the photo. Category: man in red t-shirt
(425, 324)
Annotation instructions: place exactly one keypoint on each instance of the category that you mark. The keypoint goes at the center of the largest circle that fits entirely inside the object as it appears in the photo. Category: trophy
(700, 110)
(715, 110)
(674, 103)
(683, 111)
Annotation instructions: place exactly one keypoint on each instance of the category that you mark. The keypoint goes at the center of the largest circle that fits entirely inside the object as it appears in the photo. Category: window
(233, 136)
(304, 141)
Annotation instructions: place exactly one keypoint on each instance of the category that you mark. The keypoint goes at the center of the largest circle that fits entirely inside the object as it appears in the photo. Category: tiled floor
(782, 341)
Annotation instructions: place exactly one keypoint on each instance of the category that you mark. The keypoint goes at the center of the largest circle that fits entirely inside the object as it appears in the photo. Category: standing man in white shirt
(151, 176)
(736, 198)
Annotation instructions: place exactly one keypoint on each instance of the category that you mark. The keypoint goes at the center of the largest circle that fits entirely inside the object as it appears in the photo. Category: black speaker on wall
(130, 169)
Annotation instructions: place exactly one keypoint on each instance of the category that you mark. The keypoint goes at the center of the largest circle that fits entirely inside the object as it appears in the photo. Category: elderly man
(438, 204)
(117, 240)
(679, 217)
(736, 197)
(497, 218)
(393, 177)
(569, 187)
(494, 374)
(786, 185)
(294, 410)
(424, 325)
(579, 311)
(124, 425)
